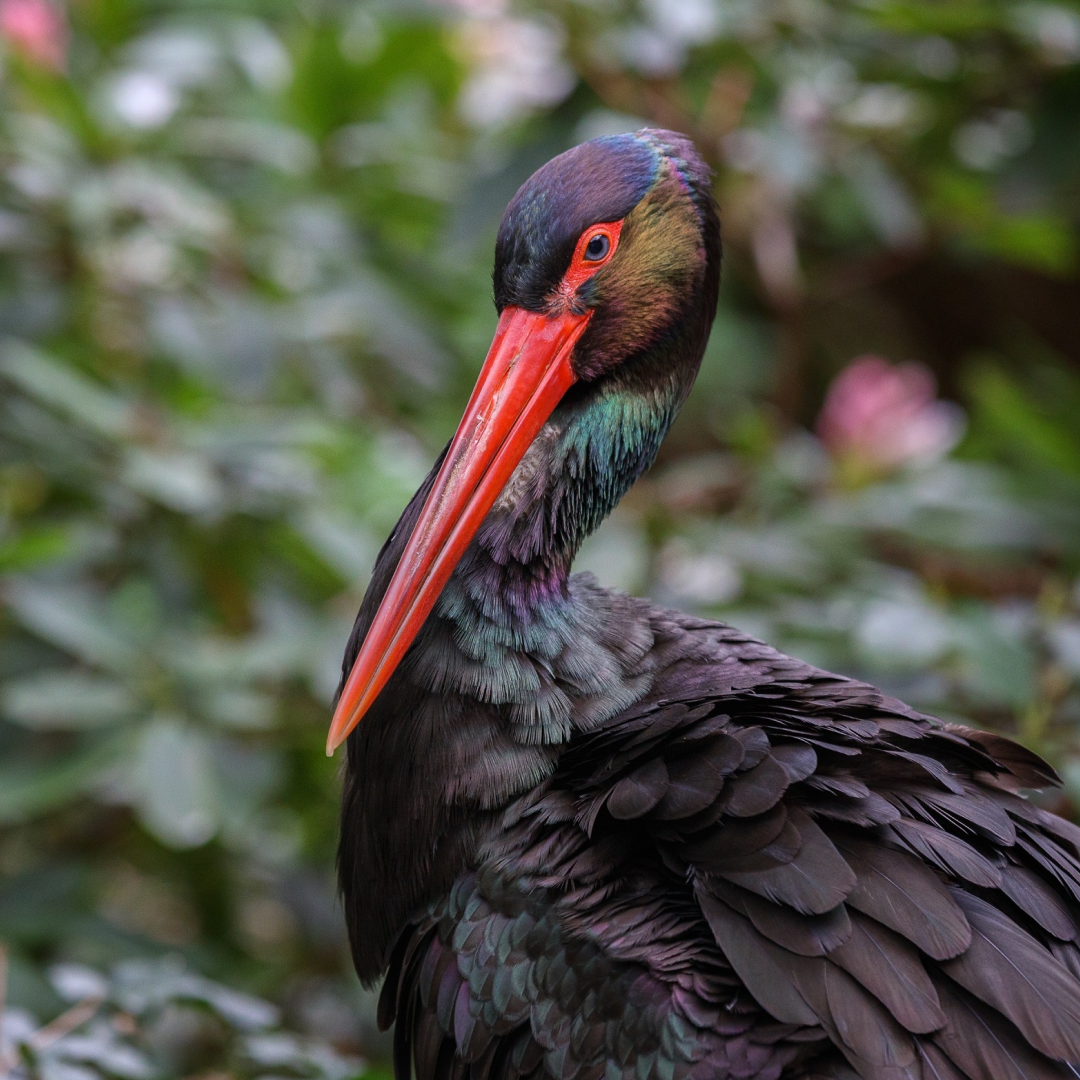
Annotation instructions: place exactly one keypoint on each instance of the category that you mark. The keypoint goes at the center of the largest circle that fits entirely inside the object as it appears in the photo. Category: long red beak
(525, 376)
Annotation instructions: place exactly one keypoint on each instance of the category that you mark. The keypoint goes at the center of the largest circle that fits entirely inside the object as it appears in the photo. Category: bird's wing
(760, 870)
(860, 866)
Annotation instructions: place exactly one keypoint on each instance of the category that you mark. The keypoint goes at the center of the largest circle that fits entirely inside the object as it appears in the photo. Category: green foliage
(244, 259)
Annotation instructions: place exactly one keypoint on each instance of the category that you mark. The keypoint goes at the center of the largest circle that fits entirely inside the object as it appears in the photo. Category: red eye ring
(585, 263)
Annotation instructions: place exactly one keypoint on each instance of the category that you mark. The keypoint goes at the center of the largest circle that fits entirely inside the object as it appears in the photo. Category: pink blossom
(878, 417)
(36, 30)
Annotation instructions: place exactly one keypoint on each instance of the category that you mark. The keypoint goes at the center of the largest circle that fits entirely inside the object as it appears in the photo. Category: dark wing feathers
(764, 968)
(904, 894)
(936, 1065)
(1007, 968)
(737, 838)
(806, 935)
(893, 972)
(812, 882)
(942, 850)
(790, 879)
(970, 813)
(1037, 900)
(983, 1046)
(1028, 769)
(798, 760)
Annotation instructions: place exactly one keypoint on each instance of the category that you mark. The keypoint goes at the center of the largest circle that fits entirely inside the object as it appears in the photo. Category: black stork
(584, 838)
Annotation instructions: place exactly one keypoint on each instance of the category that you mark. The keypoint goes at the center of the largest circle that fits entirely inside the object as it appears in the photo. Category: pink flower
(35, 29)
(878, 417)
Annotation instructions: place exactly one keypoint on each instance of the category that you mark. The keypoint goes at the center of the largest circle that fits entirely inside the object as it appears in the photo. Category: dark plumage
(586, 839)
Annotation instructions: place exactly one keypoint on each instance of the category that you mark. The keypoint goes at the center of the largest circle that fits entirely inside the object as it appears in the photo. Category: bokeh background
(245, 251)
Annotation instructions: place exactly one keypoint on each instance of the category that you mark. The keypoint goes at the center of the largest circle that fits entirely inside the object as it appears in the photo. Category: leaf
(185, 482)
(174, 784)
(145, 986)
(65, 700)
(279, 1051)
(60, 386)
(342, 540)
(30, 788)
(1027, 429)
(240, 709)
(33, 547)
(71, 619)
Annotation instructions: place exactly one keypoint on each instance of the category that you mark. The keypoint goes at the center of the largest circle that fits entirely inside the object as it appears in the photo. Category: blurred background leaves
(244, 289)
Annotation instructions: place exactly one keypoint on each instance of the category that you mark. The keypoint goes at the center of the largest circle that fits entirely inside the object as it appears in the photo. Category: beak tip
(346, 716)
(335, 737)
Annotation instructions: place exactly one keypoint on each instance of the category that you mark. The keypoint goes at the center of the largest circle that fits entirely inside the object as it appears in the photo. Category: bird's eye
(597, 248)
(594, 249)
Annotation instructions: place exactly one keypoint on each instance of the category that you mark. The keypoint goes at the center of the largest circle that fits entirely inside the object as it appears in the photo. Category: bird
(586, 838)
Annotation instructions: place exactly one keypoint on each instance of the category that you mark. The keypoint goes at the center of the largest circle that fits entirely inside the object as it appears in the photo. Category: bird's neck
(512, 627)
(516, 572)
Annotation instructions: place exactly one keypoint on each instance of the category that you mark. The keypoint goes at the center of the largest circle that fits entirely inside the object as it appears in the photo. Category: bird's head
(607, 268)
(613, 238)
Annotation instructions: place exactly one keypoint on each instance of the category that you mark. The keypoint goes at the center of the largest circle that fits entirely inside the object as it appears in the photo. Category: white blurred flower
(144, 258)
(646, 50)
(791, 161)
(76, 982)
(1065, 641)
(802, 106)
(984, 144)
(814, 90)
(657, 47)
(888, 205)
(143, 100)
(516, 65)
(883, 105)
(1053, 29)
(481, 9)
(687, 21)
(689, 577)
(182, 57)
(906, 628)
